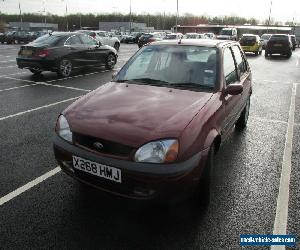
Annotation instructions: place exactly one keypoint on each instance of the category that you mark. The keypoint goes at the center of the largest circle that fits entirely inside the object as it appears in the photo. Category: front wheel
(65, 68)
(110, 61)
(203, 192)
(243, 119)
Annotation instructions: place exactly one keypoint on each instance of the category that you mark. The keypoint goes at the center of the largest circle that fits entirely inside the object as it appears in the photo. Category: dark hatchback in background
(62, 52)
(279, 44)
(148, 38)
(152, 132)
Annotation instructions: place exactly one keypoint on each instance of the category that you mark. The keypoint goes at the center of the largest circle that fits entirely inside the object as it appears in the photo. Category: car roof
(192, 42)
(58, 33)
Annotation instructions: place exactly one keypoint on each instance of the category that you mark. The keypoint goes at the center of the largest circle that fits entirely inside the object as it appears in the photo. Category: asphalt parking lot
(42, 208)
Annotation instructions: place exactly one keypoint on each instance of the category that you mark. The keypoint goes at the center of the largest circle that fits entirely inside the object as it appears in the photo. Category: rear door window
(73, 40)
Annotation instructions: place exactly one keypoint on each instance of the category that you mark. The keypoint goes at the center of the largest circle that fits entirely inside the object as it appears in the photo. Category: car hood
(133, 114)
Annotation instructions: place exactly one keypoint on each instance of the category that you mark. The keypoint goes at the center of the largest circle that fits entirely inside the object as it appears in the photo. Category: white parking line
(6, 67)
(18, 79)
(7, 61)
(280, 223)
(29, 185)
(13, 74)
(19, 87)
(65, 87)
(38, 108)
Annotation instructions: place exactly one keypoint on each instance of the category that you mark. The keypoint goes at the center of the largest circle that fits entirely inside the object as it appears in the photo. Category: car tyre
(203, 191)
(260, 52)
(243, 119)
(256, 53)
(111, 61)
(65, 68)
(117, 46)
(35, 71)
(289, 54)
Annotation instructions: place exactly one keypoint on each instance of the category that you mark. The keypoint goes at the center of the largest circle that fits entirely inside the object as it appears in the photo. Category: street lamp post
(66, 14)
(130, 17)
(177, 18)
(21, 19)
(269, 16)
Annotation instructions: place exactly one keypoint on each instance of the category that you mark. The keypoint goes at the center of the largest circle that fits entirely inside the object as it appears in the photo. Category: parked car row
(282, 44)
(13, 37)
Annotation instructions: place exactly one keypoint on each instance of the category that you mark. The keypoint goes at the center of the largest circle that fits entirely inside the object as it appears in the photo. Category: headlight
(63, 128)
(163, 151)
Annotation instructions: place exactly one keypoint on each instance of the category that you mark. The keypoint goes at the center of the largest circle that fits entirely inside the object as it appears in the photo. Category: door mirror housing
(234, 89)
(114, 75)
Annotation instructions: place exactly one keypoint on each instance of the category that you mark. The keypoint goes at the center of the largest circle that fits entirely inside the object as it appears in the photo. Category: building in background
(28, 26)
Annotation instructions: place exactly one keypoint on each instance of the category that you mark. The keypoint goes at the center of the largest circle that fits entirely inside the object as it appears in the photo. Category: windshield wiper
(150, 81)
(190, 84)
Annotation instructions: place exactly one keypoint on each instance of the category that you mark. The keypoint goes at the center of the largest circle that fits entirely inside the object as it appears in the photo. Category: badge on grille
(98, 145)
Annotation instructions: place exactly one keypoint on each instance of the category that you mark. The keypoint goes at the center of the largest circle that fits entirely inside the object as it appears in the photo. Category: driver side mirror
(114, 75)
(233, 89)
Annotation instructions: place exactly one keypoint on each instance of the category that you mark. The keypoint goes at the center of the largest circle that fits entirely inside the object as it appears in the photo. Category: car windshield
(47, 39)
(173, 66)
(226, 32)
(279, 38)
(191, 36)
(170, 37)
(248, 39)
(265, 37)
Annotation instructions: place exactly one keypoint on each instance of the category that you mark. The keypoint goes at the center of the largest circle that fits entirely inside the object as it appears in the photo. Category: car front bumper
(140, 181)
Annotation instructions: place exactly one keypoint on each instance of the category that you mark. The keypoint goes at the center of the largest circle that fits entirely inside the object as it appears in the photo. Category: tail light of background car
(43, 53)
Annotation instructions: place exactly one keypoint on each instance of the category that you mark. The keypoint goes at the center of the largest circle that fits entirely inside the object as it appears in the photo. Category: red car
(152, 132)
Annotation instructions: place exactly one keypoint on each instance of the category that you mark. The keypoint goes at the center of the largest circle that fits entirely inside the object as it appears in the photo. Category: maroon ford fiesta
(152, 132)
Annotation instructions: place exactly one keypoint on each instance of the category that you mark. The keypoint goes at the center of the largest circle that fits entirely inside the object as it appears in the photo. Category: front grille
(109, 147)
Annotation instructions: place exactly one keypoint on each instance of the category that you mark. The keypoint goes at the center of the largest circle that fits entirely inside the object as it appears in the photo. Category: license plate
(26, 52)
(277, 45)
(245, 48)
(94, 168)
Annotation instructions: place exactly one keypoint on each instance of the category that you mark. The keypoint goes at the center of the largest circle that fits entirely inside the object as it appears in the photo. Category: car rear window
(249, 38)
(48, 39)
(279, 38)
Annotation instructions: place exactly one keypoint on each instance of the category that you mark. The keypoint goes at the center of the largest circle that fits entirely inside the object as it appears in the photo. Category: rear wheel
(65, 68)
(243, 119)
(110, 61)
(35, 71)
(117, 46)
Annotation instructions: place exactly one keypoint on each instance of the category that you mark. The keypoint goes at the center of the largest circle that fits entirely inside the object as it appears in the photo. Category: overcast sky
(283, 10)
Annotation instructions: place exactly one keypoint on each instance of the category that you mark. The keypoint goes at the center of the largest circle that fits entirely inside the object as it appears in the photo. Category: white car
(194, 36)
(173, 36)
(210, 35)
(104, 37)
